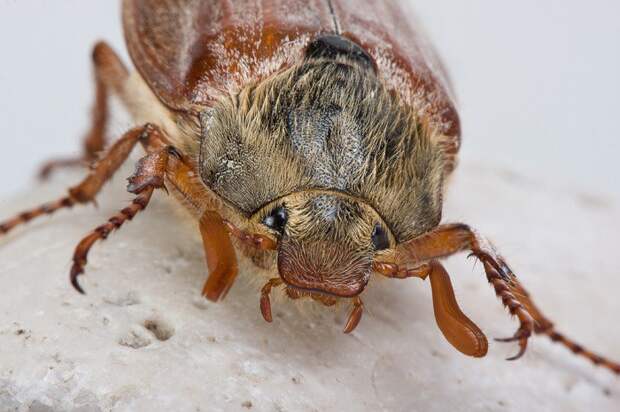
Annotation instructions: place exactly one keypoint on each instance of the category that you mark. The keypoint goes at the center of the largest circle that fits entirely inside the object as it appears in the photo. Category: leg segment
(221, 258)
(110, 76)
(392, 270)
(89, 187)
(458, 329)
(219, 250)
(265, 302)
(149, 175)
(545, 326)
(355, 316)
(258, 241)
(447, 240)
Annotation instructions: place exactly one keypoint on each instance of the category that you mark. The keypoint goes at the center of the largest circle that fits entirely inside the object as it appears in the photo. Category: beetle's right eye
(276, 219)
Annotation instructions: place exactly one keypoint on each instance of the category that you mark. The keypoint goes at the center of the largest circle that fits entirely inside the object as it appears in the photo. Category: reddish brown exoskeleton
(313, 136)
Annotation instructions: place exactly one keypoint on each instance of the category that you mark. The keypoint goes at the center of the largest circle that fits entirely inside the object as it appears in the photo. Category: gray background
(537, 83)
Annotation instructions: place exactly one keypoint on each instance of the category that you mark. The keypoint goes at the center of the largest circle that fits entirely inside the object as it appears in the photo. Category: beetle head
(327, 242)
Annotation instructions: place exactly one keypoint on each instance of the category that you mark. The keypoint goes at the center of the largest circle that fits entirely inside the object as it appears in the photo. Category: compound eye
(276, 219)
(380, 238)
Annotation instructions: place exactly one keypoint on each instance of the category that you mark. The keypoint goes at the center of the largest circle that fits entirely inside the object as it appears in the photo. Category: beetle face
(327, 242)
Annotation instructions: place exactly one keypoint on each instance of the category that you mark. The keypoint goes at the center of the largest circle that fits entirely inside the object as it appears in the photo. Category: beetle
(315, 137)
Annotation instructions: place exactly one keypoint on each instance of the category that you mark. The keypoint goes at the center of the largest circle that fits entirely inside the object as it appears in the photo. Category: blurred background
(537, 83)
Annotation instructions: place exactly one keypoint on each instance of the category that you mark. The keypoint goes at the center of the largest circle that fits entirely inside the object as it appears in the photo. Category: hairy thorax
(324, 125)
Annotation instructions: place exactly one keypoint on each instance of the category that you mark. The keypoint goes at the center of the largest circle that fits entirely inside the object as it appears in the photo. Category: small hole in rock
(162, 330)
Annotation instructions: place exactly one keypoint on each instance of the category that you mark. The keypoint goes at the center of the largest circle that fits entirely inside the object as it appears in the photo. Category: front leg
(149, 175)
(220, 254)
(457, 328)
(447, 240)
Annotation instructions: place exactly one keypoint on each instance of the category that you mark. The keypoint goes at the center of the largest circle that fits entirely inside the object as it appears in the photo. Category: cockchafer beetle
(314, 136)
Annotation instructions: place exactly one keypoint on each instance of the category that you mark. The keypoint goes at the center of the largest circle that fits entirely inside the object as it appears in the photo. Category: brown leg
(110, 75)
(89, 187)
(457, 328)
(355, 316)
(545, 326)
(265, 302)
(219, 250)
(255, 240)
(447, 240)
(181, 177)
(149, 175)
(392, 270)
(221, 258)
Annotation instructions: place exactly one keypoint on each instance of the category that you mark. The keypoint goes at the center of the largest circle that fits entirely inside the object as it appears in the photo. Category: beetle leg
(458, 329)
(219, 251)
(265, 302)
(258, 241)
(392, 270)
(447, 240)
(86, 191)
(355, 315)
(149, 175)
(110, 75)
(221, 258)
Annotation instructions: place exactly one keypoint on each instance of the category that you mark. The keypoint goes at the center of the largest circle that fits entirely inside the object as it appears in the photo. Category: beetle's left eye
(380, 238)
(276, 219)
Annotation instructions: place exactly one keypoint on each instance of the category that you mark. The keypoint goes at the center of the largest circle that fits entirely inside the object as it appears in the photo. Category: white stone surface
(61, 351)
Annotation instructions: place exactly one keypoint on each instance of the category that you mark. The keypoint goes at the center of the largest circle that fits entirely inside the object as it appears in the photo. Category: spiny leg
(86, 190)
(447, 240)
(149, 175)
(545, 327)
(515, 307)
(110, 75)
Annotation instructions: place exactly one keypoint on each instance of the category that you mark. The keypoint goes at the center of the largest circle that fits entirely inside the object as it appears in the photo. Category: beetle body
(314, 137)
(332, 112)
